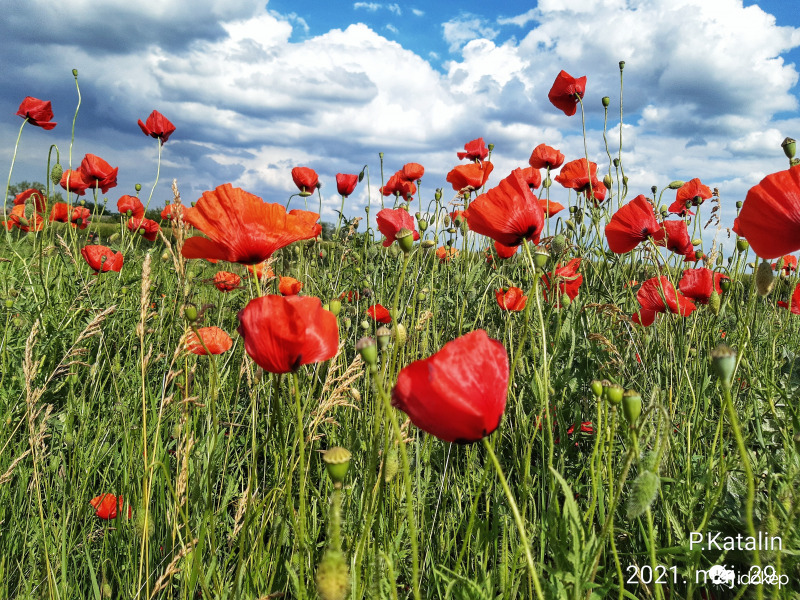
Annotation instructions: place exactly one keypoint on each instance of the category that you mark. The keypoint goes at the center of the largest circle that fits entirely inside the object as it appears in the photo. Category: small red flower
(508, 213)
(399, 185)
(412, 171)
(80, 217)
(770, 216)
(686, 193)
(60, 212)
(214, 338)
(505, 251)
(631, 224)
(474, 150)
(789, 264)
(18, 219)
(157, 126)
(677, 239)
(101, 258)
(379, 314)
(281, 334)
(543, 156)
(289, 286)
(225, 281)
(511, 299)
(130, 203)
(38, 112)
(568, 279)
(794, 305)
(659, 295)
(305, 179)
(148, 226)
(699, 283)
(550, 207)
(446, 254)
(73, 181)
(576, 175)
(106, 505)
(97, 173)
(172, 211)
(391, 221)
(350, 296)
(469, 177)
(532, 177)
(644, 317)
(345, 184)
(35, 196)
(565, 92)
(459, 393)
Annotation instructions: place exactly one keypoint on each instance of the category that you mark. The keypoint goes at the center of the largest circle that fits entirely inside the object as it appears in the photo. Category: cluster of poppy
(17, 217)
(134, 209)
(307, 180)
(401, 184)
(658, 295)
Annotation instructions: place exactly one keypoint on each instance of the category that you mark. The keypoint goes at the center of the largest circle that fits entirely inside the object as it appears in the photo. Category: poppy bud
(742, 244)
(337, 461)
(9, 303)
(391, 466)
(565, 300)
(616, 162)
(631, 406)
(368, 350)
(570, 225)
(139, 524)
(335, 306)
(423, 224)
(333, 576)
(421, 297)
(654, 189)
(428, 244)
(347, 322)
(447, 221)
(106, 590)
(697, 201)
(597, 388)
(607, 181)
(74, 72)
(674, 185)
(723, 359)
(624, 180)
(547, 183)
(190, 312)
(490, 147)
(400, 335)
(438, 194)
(606, 101)
(725, 285)
(55, 173)
(405, 239)
(698, 254)
(364, 325)
(614, 393)
(696, 242)
(165, 256)
(559, 244)
(621, 65)
(789, 146)
(739, 204)
(764, 278)
(714, 302)
(383, 334)
(138, 187)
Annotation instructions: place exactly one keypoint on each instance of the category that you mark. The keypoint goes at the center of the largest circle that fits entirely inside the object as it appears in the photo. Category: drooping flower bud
(765, 280)
(674, 185)
(190, 312)
(607, 181)
(55, 173)
(714, 302)
(400, 334)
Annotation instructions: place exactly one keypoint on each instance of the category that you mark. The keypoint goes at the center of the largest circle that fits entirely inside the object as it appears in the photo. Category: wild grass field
(542, 384)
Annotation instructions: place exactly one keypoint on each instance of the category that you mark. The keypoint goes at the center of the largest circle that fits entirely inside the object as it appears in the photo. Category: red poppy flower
(586, 427)
(398, 185)
(511, 299)
(532, 177)
(686, 193)
(281, 334)
(457, 214)
(543, 156)
(73, 181)
(157, 126)
(261, 270)
(243, 228)
(446, 254)
(225, 281)
(148, 226)
(677, 239)
(101, 258)
(474, 150)
(568, 279)
(550, 207)
(507, 213)
(644, 317)
(379, 314)
(36, 196)
(577, 176)
(350, 296)
(699, 283)
(172, 211)
(469, 177)
(38, 112)
(106, 505)
(391, 221)
(17, 218)
(659, 295)
(795, 302)
(505, 251)
(631, 224)
(305, 179)
(345, 184)
(60, 212)
(130, 203)
(97, 173)
(413, 171)
(789, 264)
(565, 92)
(214, 338)
(770, 216)
(289, 286)
(80, 217)
(459, 393)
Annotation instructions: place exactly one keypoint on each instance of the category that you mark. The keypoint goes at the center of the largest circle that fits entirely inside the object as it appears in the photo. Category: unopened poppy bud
(631, 406)
(364, 325)
(674, 185)
(624, 180)
(565, 300)
(165, 256)
(438, 194)
(333, 576)
(779, 265)
(383, 334)
(400, 335)
(138, 187)
(190, 312)
(124, 290)
(74, 72)
(742, 244)
(337, 461)
(24, 222)
(55, 173)
(423, 224)
(614, 394)
(335, 306)
(597, 388)
(106, 590)
(714, 302)
(607, 181)
(9, 303)
(368, 349)
(428, 244)
(723, 359)
(458, 221)
(751, 265)
(789, 147)
(606, 101)
(697, 201)
(326, 306)
(540, 258)
(421, 297)
(696, 242)
(698, 254)
(570, 224)
(447, 221)
(405, 239)
(616, 162)
(559, 244)
(139, 526)
(764, 278)
(654, 189)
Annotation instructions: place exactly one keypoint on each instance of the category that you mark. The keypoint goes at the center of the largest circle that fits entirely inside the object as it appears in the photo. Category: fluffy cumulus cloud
(706, 89)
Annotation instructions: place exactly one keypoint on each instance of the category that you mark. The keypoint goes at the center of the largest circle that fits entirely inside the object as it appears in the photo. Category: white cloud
(519, 20)
(392, 28)
(465, 28)
(368, 6)
(395, 8)
(417, 12)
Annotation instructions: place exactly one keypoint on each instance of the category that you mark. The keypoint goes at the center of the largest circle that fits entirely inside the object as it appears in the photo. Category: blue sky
(711, 88)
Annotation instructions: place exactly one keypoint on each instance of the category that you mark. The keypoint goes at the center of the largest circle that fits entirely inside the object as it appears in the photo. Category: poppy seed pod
(606, 101)
(423, 224)
(789, 147)
(723, 359)
(337, 461)
(335, 306)
(405, 239)
(614, 394)
(742, 244)
(383, 334)
(368, 349)
(558, 244)
(540, 258)
(631, 406)
(597, 388)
